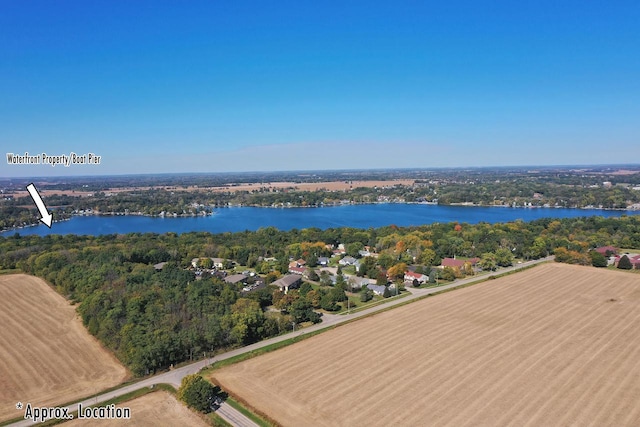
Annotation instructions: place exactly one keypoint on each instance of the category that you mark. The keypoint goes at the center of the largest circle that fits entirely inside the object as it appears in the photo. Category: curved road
(231, 415)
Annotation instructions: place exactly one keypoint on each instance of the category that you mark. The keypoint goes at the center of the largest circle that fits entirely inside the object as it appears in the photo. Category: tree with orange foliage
(397, 271)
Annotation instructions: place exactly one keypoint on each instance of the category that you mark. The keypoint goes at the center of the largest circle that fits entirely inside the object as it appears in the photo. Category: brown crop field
(232, 187)
(556, 345)
(154, 409)
(47, 355)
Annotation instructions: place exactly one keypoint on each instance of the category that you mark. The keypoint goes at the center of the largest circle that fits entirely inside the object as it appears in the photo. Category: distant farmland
(47, 355)
(555, 345)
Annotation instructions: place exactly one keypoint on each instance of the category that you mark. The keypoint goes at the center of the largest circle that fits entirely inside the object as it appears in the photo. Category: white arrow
(46, 216)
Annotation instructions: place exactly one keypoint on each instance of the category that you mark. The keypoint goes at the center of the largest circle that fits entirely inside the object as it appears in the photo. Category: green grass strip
(247, 413)
(267, 349)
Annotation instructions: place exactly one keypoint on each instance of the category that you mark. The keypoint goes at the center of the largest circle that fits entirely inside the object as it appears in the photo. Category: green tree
(197, 392)
(434, 274)
(366, 294)
(367, 267)
(353, 249)
(247, 318)
(305, 288)
(312, 260)
(302, 311)
(428, 256)
(597, 259)
(327, 303)
(311, 273)
(325, 279)
(625, 263)
(488, 262)
(504, 257)
(263, 267)
(206, 263)
(338, 294)
(314, 297)
(387, 258)
(448, 274)
(387, 292)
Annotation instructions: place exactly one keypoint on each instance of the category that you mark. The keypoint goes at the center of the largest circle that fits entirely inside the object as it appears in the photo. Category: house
(159, 266)
(235, 278)
(364, 253)
(297, 263)
(287, 282)
(634, 259)
(217, 262)
(410, 276)
(297, 270)
(459, 263)
(452, 262)
(323, 261)
(607, 250)
(358, 282)
(377, 289)
(348, 260)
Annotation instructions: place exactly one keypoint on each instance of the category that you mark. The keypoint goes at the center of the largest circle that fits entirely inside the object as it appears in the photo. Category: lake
(359, 216)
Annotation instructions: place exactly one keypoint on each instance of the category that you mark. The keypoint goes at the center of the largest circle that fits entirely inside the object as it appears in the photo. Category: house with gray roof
(348, 260)
(235, 278)
(377, 289)
(358, 282)
(290, 281)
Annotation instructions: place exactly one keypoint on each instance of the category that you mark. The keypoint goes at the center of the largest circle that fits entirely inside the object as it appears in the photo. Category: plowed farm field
(151, 410)
(47, 355)
(555, 345)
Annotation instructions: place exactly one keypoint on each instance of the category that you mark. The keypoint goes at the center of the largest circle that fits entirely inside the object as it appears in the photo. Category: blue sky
(159, 86)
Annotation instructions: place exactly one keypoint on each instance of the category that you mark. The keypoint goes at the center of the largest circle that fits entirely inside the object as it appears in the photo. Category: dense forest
(151, 318)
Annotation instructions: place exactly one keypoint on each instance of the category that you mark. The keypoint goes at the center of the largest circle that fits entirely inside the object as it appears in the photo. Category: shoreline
(213, 212)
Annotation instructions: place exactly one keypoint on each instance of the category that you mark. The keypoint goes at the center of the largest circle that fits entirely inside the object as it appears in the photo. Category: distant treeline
(553, 188)
(152, 319)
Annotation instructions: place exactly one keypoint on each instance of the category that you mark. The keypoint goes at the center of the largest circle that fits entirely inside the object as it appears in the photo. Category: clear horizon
(203, 88)
(619, 166)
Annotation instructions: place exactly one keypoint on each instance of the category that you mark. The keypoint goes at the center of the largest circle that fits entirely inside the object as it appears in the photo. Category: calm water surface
(360, 216)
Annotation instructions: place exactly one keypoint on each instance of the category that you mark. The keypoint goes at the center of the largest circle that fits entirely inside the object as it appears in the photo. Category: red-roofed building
(297, 270)
(607, 250)
(452, 262)
(297, 263)
(634, 259)
(410, 276)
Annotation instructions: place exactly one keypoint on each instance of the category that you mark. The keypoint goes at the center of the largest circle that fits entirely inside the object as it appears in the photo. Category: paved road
(174, 377)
